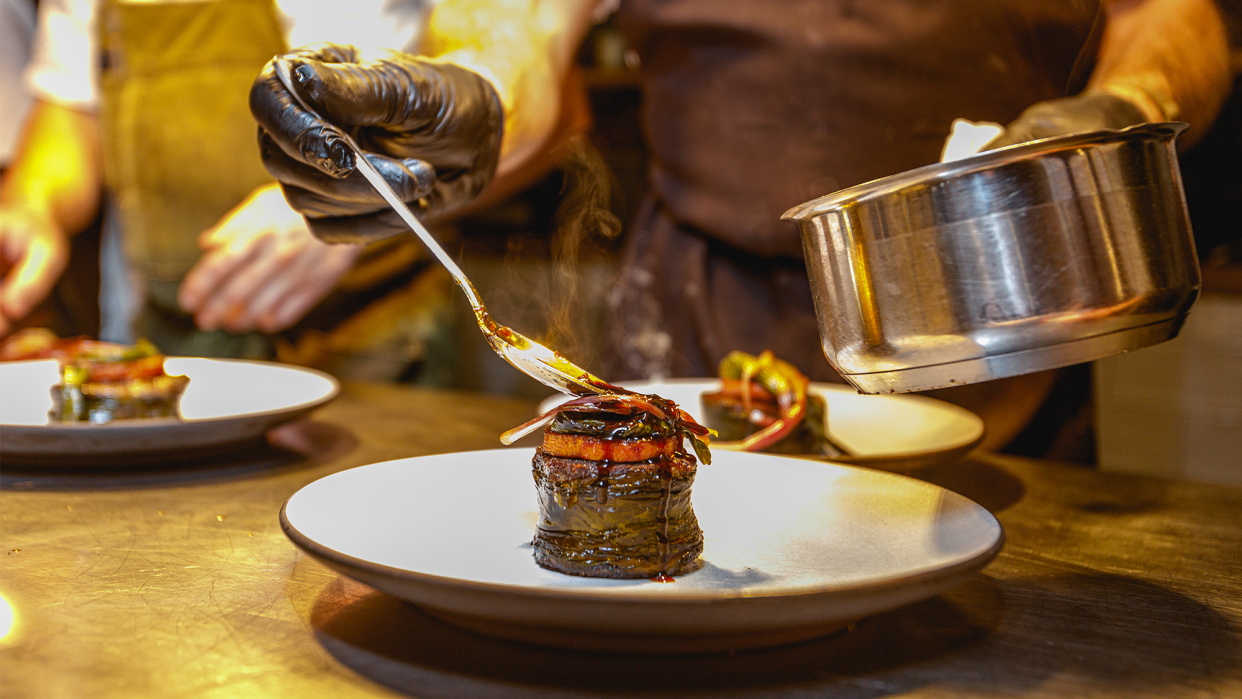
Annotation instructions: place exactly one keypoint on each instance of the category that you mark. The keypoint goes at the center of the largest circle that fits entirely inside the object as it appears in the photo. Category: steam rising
(543, 263)
(585, 225)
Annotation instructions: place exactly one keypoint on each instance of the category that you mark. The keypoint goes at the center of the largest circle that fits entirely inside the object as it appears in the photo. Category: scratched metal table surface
(175, 581)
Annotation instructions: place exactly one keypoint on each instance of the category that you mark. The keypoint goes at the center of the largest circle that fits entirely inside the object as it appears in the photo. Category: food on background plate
(38, 343)
(104, 381)
(613, 481)
(101, 381)
(763, 405)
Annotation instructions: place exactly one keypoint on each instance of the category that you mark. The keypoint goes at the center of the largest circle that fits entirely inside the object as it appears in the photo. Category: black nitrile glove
(432, 130)
(1090, 111)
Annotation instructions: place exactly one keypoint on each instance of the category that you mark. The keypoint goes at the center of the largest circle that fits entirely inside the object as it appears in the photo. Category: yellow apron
(180, 151)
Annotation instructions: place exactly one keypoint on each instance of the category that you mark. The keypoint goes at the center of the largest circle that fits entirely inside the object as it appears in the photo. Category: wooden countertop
(176, 581)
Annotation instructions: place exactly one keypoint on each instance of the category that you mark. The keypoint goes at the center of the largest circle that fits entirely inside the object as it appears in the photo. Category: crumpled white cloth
(967, 138)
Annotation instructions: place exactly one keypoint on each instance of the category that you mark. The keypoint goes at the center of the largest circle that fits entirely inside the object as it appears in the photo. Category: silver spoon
(531, 358)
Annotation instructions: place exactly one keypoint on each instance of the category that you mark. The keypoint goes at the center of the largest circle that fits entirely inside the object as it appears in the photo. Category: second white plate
(894, 433)
(793, 549)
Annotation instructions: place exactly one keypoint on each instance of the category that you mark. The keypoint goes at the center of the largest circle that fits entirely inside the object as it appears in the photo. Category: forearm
(525, 48)
(1169, 57)
(57, 172)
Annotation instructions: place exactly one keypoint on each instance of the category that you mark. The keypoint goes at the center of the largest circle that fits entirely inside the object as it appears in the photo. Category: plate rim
(334, 390)
(332, 558)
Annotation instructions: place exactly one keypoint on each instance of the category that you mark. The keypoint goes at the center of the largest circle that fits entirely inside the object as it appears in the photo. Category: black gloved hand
(1090, 111)
(433, 130)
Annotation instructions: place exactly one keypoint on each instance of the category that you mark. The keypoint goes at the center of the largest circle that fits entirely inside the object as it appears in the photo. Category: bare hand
(33, 253)
(262, 269)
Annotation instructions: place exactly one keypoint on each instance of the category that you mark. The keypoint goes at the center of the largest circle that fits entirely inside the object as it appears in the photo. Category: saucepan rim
(931, 174)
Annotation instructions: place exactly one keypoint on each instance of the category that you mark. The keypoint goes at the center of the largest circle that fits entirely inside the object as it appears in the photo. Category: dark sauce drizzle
(665, 469)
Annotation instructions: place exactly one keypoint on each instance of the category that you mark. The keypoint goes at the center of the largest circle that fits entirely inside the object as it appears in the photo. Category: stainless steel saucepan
(1020, 259)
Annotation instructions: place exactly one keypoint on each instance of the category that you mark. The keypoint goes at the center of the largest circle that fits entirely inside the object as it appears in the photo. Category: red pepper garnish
(784, 382)
(621, 402)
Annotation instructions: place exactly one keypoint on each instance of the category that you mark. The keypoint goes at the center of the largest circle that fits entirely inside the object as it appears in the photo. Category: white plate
(226, 401)
(894, 433)
(793, 549)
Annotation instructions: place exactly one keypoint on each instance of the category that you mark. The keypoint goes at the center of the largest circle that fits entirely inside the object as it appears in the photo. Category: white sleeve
(369, 25)
(64, 61)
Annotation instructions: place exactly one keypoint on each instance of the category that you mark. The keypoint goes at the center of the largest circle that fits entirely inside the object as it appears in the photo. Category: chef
(149, 99)
(750, 107)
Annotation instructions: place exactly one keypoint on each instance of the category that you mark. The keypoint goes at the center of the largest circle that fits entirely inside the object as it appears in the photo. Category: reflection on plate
(227, 401)
(894, 433)
(794, 549)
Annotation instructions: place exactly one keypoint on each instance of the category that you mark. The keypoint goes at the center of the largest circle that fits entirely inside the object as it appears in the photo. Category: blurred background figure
(142, 106)
(747, 112)
(1175, 410)
(70, 308)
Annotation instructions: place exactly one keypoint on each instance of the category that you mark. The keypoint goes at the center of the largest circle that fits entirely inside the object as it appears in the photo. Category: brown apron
(754, 106)
(180, 152)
